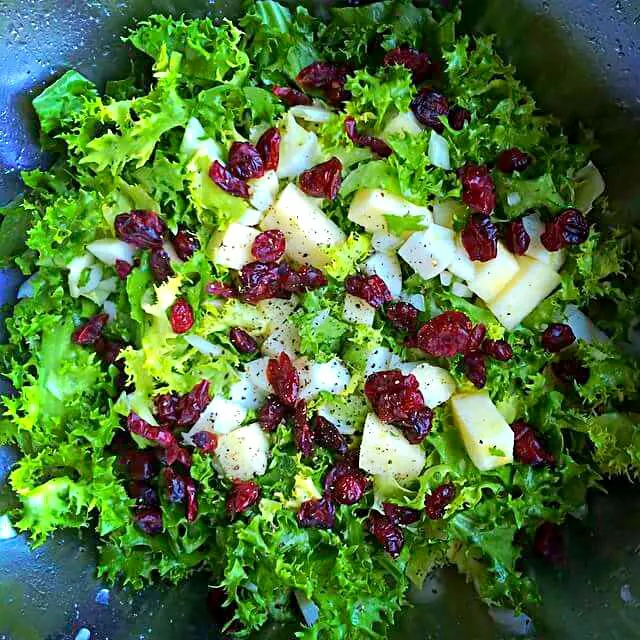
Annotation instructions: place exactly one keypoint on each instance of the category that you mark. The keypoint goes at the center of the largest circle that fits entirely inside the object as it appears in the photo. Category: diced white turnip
(436, 384)
(299, 149)
(263, 191)
(387, 267)
(283, 338)
(232, 247)
(533, 283)
(243, 453)
(257, 372)
(245, 394)
(369, 206)
(385, 451)
(385, 242)
(493, 276)
(429, 252)
(377, 360)
(308, 231)
(487, 437)
(220, 416)
(357, 311)
(332, 376)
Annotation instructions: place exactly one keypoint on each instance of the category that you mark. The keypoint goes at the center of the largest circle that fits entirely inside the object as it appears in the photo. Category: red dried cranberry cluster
(377, 146)
(327, 78)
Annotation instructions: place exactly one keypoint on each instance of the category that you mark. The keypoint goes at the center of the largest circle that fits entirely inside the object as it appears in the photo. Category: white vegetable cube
(263, 190)
(108, 250)
(533, 283)
(220, 416)
(385, 242)
(357, 311)
(403, 123)
(377, 360)
(308, 231)
(492, 276)
(232, 247)
(534, 226)
(347, 415)
(415, 299)
(251, 217)
(299, 149)
(429, 252)
(332, 376)
(369, 206)
(487, 437)
(277, 311)
(245, 394)
(242, 454)
(387, 267)
(257, 372)
(283, 338)
(462, 265)
(436, 384)
(385, 451)
(582, 327)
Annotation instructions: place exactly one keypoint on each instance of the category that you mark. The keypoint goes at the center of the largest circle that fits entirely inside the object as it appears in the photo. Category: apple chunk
(242, 453)
(429, 252)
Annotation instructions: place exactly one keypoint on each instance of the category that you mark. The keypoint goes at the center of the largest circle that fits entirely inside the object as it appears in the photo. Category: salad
(317, 307)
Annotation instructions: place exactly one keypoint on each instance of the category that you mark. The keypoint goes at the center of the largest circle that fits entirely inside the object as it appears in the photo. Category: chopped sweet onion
(439, 151)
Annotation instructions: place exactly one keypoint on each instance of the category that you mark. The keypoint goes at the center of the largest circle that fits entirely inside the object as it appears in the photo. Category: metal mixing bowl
(582, 59)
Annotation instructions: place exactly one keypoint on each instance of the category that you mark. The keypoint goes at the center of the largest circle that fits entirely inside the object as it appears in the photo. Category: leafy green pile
(120, 150)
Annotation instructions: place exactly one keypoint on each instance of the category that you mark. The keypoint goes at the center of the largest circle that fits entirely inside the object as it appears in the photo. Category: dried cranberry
(328, 77)
(123, 268)
(349, 488)
(377, 146)
(327, 435)
(220, 289)
(477, 336)
(440, 497)
(478, 189)
(175, 483)
(244, 161)
(269, 148)
(289, 279)
(372, 289)
(411, 341)
(557, 337)
(303, 435)
(90, 331)
(480, 238)
(348, 464)
(428, 106)
(206, 441)
(516, 238)
(445, 335)
(165, 409)
(568, 228)
(192, 404)
(394, 396)
(283, 378)
(417, 62)
(192, 500)
(458, 117)
(149, 520)
(323, 180)
(316, 514)
(498, 349)
(511, 160)
(403, 316)
(548, 543)
(181, 316)
(272, 413)
(311, 277)
(259, 281)
(400, 515)
(161, 436)
(417, 427)
(269, 246)
(242, 341)
(227, 181)
(141, 465)
(243, 495)
(183, 457)
(527, 447)
(143, 494)
(109, 350)
(160, 265)
(385, 532)
(570, 371)
(142, 229)
(475, 368)
(292, 97)
(185, 243)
